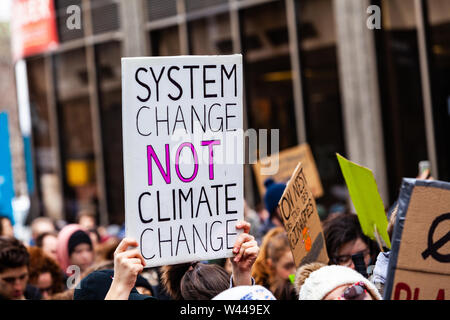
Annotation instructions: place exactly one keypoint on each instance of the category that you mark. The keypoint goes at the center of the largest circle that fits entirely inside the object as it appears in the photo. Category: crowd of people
(82, 261)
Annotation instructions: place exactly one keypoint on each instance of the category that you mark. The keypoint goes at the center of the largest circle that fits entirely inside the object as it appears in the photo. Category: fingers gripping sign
(128, 264)
(245, 250)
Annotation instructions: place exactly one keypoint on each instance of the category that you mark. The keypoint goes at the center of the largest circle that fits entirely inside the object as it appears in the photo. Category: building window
(439, 43)
(108, 67)
(211, 35)
(267, 67)
(76, 135)
(165, 42)
(401, 92)
(321, 95)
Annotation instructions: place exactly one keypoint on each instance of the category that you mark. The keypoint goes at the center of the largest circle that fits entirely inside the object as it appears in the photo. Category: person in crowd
(44, 273)
(345, 241)
(41, 225)
(275, 262)
(317, 281)
(252, 217)
(284, 289)
(48, 242)
(74, 248)
(379, 275)
(187, 284)
(6, 228)
(273, 194)
(199, 281)
(14, 263)
(255, 292)
(86, 219)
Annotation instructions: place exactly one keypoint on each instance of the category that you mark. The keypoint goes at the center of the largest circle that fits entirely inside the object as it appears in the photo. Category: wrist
(241, 279)
(118, 291)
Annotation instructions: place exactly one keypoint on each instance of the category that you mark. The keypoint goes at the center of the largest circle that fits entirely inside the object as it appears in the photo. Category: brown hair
(194, 281)
(41, 263)
(13, 254)
(274, 245)
(344, 228)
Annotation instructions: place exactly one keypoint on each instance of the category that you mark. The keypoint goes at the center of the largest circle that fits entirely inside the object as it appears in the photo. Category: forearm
(240, 278)
(117, 292)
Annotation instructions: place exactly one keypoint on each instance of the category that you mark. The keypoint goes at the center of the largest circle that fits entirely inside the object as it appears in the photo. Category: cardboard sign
(287, 160)
(369, 207)
(183, 156)
(419, 263)
(301, 220)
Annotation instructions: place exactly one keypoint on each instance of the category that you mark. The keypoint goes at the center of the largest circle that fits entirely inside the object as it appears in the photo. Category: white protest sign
(183, 156)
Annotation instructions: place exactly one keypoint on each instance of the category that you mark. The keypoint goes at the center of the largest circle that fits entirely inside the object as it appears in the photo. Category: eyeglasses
(356, 291)
(346, 260)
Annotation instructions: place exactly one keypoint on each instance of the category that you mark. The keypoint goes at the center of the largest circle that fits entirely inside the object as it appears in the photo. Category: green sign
(369, 207)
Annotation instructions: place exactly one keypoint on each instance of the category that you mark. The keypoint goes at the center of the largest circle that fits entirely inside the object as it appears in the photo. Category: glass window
(267, 75)
(44, 150)
(321, 95)
(439, 41)
(165, 42)
(76, 137)
(401, 92)
(267, 67)
(211, 35)
(108, 66)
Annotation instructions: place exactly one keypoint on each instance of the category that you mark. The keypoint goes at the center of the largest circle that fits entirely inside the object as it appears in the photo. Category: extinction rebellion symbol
(433, 247)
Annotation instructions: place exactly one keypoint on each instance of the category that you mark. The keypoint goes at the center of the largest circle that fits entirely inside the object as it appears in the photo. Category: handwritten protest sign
(286, 161)
(301, 220)
(419, 263)
(183, 156)
(369, 207)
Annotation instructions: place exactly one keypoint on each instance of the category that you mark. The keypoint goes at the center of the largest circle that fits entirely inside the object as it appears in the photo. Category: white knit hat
(327, 278)
(255, 292)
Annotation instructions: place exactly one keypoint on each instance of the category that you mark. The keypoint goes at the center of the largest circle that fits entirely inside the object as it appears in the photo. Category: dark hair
(343, 228)
(40, 238)
(194, 281)
(13, 254)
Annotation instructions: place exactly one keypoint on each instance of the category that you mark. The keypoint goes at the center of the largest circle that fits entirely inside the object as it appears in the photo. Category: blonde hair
(274, 244)
(303, 273)
(392, 219)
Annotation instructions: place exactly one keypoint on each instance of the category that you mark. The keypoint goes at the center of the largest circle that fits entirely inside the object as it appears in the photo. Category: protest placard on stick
(183, 155)
(301, 220)
(285, 162)
(365, 197)
(419, 262)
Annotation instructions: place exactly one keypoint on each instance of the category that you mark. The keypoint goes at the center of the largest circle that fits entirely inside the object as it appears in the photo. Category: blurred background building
(312, 68)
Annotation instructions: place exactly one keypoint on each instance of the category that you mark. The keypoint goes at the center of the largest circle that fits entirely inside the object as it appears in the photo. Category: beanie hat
(78, 237)
(255, 292)
(274, 191)
(95, 286)
(325, 279)
(62, 249)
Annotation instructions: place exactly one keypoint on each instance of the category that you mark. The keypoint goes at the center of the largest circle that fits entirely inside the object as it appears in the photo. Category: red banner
(33, 27)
